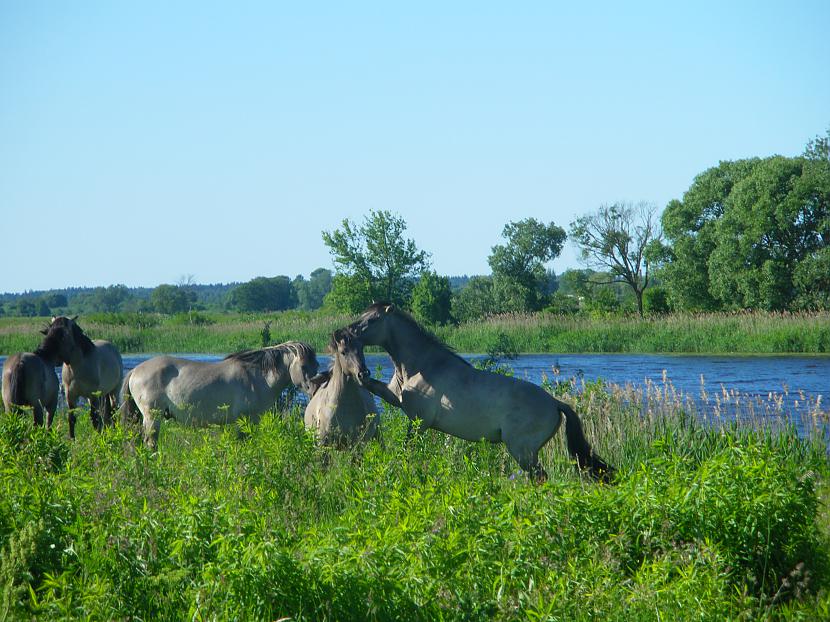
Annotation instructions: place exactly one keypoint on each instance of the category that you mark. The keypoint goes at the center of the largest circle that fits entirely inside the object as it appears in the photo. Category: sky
(144, 141)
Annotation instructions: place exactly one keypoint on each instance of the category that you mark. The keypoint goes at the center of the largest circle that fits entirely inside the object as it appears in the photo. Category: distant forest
(260, 294)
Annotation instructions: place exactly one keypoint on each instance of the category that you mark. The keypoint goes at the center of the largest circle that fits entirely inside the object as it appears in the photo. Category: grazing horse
(198, 393)
(91, 369)
(340, 410)
(29, 379)
(443, 391)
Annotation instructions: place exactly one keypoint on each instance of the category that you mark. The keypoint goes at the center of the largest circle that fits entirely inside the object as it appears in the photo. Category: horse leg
(528, 459)
(152, 426)
(94, 413)
(106, 407)
(71, 404)
(37, 413)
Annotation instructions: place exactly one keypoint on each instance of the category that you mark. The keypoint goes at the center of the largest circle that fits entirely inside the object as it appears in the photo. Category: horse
(91, 369)
(341, 411)
(434, 385)
(29, 379)
(197, 393)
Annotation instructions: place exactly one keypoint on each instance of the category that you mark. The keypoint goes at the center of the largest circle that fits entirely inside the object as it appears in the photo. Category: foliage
(310, 293)
(171, 299)
(742, 231)
(656, 300)
(617, 238)
(519, 264)
(264, 294)
(348, 294)
(476, 300)
(702, 523)
(377, 254)
(432, 299)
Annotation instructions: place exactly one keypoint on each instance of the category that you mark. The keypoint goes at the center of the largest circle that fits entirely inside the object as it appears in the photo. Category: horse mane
(268, 359)
(85, 343)
(380, 307)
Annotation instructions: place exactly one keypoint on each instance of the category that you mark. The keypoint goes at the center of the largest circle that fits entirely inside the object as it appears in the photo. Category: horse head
(347, 351)
(372, 327)
(301, 361)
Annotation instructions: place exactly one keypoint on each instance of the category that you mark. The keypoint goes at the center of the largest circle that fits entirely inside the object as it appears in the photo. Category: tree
(171, 299)
(377, 254)
(616, 238)
(476, 300)
(264, 294)
(310, 293)
(432, 299)
(776, 218)
(520, 278)
(690, 229)
(348, 294)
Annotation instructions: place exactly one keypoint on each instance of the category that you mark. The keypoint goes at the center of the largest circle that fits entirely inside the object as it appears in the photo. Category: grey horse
(443, 391)
(341, 411)
(198, 393)
(92, 369)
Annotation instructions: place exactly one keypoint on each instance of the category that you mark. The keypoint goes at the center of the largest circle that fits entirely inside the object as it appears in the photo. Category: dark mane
(85, 343)
(49, 347)
(377, 308)
(268, 359)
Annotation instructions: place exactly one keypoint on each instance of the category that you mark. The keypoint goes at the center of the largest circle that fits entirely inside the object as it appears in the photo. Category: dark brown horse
(443, 391)
(29, 379)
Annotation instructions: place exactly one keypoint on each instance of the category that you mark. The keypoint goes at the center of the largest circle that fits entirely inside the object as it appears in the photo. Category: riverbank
(742, 333)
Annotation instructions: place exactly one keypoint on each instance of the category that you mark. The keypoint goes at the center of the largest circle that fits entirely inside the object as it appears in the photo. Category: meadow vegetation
(707, 521)
(206, 332)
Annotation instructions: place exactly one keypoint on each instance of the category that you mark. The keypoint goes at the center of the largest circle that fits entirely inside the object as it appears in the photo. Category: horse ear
(54, 317)
(389, 308)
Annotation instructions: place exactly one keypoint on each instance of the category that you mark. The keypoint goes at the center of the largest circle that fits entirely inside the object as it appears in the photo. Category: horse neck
(339, 378)
(280, 378)
(49, 359)
(410, 349)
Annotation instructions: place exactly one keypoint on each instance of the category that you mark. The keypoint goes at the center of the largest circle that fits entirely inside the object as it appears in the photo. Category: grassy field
(707, 521)
(221, 333)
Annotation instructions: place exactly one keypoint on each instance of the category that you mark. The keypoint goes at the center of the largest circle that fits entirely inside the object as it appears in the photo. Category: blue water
(792, 384)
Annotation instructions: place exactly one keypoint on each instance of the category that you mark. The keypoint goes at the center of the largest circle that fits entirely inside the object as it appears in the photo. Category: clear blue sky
(141, 141)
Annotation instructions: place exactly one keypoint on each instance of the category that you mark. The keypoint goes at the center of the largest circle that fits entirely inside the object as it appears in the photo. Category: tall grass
(219, 333)
(708, 520)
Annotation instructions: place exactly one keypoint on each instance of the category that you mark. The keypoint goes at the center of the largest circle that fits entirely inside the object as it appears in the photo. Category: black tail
(580, 449)
(129, 411)
(17, 383)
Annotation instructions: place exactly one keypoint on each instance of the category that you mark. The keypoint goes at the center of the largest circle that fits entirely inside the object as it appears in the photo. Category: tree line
(747, 234)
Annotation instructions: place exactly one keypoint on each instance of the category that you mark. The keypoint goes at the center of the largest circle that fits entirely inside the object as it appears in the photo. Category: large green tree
(752, 234)
(264, 294)
(520, 280)
(171, 299)
(616, 238)
(377, 255)
(432, 299)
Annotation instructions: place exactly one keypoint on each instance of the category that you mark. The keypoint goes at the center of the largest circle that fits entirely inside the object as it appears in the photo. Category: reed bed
(711, 517)
(679, 333)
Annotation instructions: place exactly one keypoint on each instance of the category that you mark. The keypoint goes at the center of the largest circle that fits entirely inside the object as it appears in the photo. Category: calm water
(798, 381)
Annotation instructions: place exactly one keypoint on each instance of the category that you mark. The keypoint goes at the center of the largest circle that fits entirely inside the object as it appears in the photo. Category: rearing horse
(91, 369)
(436, 386)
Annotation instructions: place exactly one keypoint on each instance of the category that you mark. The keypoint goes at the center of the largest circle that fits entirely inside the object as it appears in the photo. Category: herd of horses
(432, 385)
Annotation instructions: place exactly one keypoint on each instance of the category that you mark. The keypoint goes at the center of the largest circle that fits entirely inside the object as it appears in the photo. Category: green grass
(705, 522)
(221, 333)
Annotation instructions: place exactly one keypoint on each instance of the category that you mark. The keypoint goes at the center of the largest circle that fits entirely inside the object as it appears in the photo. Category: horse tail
(17, 382)
(129, 410)
(581, 450)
